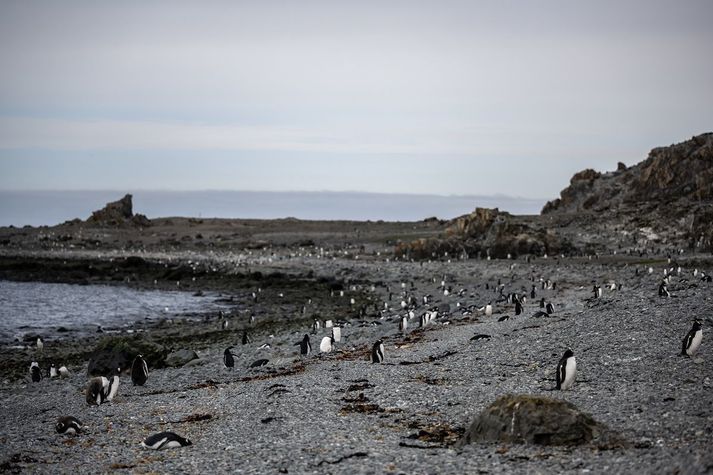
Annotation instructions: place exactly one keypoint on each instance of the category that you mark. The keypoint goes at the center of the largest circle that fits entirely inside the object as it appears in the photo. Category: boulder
(120, 351)
(180, 358)
(534, 420)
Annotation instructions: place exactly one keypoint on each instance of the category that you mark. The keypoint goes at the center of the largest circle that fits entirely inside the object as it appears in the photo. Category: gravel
(339, 413)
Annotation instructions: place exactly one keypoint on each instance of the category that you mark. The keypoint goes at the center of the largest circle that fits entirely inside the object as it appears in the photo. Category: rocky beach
(644, 408)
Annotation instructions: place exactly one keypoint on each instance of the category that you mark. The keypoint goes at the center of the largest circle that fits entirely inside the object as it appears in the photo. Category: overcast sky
(442, 97)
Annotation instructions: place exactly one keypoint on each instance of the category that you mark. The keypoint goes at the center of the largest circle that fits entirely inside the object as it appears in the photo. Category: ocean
(37, 208)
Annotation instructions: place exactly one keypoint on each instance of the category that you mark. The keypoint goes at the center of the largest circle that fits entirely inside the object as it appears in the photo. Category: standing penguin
(35, 372)
(518, 307)
(566, 371)
(327, 344)
(246, 338)
(542, 302)
(692, 340)
(403, 323)
(139, 371)
(663, 290)
(337, 334)
(40, 344)
(377, 352)
(68, 425)
(305, 346)
(316, 326)
(597, 291)
(532, 292)
(550, 308)
(53, 371)
(489, 309)
(228, 359)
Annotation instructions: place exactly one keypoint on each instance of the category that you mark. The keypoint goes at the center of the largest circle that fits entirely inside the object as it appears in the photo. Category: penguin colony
(102, 389)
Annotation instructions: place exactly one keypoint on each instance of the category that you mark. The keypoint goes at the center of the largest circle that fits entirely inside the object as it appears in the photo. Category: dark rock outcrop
(535, 420)
(487, 232)
(119, 352)
(118, 213)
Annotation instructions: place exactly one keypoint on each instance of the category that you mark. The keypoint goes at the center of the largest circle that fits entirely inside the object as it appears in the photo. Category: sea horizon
(52, 207)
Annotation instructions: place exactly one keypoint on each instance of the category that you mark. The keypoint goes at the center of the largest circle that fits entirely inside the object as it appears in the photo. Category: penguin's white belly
(337, 334)
(695, 343)
(326, 345)
(570, 372)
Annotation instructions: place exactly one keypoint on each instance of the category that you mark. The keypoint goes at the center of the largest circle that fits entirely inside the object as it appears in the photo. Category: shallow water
(40, 308)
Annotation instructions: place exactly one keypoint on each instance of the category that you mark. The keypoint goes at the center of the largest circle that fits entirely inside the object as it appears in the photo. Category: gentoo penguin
(597, 291)
(550, 308)
(692, 340)
(488, 309)
(663, 290)
(228, 360)
(337, 334)
(100, 389)
(403, 323)
(139, 371)
(326, 345)
(566, 371)
(35, 372)
(377, 352)
(504, 318)
(542, 302)
(63, 372)
(40, 344)
(68, 425)
(246, 337)
(518, 307)
(165, 440)
(260, 362)
(315, 326)
(225, 324)
(532, 293)
(53, 371)
(305, 346)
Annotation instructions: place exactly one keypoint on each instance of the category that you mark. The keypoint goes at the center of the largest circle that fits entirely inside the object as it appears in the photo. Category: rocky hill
(665, 200)
(118, 213)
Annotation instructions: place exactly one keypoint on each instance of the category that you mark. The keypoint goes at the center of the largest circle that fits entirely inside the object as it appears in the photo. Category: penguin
(35, 372)
(326, 345)
(139, 371)
(539, 314)
(225, 324)
(597, 291)
(337, 334)
(63, 372)
(504, 318)
(566, 371)
(423, 320)
(403, 324)
(692, 340)
(305, 346)
(53, 371)
(165, 440)
(100, 389)
(663, 290)
(246, 337)
(40, 344)
(550, 308)
(228, 360)
(315, 327)
(532, 293)
(518, 307)
(542, 302)
(377, 352)
(488, 309)
(260, 362)
(68, 425)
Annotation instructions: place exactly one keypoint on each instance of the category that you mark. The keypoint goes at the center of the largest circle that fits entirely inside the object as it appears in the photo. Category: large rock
(534, 420)
(180, 358)
(118, 213)
(120, 351)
